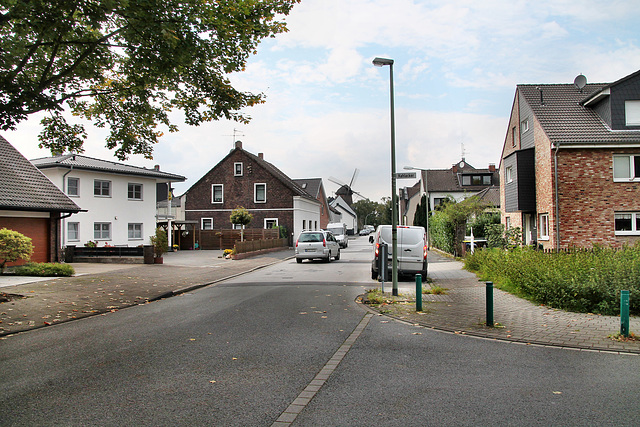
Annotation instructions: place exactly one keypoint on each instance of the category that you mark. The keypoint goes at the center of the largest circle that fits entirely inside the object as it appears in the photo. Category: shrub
(580, 280)
(13, 246)
(44, 270)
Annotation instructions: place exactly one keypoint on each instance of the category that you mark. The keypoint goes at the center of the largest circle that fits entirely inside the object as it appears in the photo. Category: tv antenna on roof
(235, 132)
(580, 81)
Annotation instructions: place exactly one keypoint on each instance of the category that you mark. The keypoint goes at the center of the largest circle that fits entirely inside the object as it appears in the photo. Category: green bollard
(418, 292)
(490, 304)
(624, 313)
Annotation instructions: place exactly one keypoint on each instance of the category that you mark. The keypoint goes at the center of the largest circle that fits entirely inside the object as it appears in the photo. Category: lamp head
(380, 62)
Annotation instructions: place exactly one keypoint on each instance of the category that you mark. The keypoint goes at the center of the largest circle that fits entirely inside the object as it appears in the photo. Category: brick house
(244, 179)
(31, 204)
(570, 164)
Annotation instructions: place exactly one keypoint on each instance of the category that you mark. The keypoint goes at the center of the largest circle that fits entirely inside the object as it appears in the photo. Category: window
(135, 231)
(101, 188)
(627, 223)
(102, 230)
(524, 126)
(543, 229)
(304, 224)
(73, 186)
(260, 193)
(206, 224)
(217, 194)
(514, 139)
(272, 222)
(508, 172)
(73, 231)
(237, 226)
(134, 191)
(626, 168)
(632, 113)
(507, 222)
(486, 179)
(237, 169)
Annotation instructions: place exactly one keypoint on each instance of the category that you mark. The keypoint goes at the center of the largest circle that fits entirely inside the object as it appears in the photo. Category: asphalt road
(240, 353)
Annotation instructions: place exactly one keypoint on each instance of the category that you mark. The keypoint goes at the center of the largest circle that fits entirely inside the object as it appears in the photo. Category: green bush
(441, 232)
(586, 281)
(44, 270)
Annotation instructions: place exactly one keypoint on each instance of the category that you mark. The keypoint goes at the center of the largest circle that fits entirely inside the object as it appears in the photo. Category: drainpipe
(557, 197)
(63, 223)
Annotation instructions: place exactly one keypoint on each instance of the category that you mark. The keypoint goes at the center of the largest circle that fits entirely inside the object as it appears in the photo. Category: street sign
(405, 175)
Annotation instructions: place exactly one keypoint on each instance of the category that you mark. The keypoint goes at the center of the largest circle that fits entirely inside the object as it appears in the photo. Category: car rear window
(310, 237)
(406, 236)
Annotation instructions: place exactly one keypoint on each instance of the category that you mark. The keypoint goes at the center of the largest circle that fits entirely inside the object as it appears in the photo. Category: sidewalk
(463, 311)
(102, 288)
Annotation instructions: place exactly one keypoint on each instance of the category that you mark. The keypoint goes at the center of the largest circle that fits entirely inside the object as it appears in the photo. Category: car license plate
(309, 250)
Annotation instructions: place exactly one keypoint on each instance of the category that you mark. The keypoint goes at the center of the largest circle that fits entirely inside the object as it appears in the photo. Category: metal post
(624, 313)
(394, 199)
(383, 259)
(418, 292)
(490, 304)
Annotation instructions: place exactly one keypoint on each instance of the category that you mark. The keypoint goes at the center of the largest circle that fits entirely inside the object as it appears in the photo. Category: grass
(435, 290)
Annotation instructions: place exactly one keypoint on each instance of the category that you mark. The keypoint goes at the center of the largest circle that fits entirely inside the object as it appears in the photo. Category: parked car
(364, 232)
(339, 230)
(412, 250)
(317, 245)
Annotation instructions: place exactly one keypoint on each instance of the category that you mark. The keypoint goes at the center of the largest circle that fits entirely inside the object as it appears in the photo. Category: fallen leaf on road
(557, 392)
(417, 333)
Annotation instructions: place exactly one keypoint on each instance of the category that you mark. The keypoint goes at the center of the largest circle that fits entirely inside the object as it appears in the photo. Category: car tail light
(424, 252)
(324, 242)
(296, 243)
(377, 249)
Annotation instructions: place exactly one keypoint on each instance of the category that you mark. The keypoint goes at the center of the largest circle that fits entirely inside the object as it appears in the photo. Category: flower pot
(158, 260)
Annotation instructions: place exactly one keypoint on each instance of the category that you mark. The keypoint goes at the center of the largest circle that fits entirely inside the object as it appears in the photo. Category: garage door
(35, 228)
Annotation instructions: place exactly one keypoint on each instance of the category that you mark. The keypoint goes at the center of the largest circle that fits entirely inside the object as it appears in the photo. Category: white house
(347, 215)
(118, 201)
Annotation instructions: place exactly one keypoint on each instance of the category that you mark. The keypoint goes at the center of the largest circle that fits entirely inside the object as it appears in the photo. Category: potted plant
(160, 244)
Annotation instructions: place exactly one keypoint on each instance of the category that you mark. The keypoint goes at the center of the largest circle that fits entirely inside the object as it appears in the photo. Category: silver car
(317, 245)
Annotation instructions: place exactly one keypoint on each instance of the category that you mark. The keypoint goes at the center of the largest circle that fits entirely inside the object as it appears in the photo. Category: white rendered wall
(307, 210)
(117, 209)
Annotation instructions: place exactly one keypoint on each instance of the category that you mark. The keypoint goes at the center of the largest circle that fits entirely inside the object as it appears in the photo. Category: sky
(457, 64)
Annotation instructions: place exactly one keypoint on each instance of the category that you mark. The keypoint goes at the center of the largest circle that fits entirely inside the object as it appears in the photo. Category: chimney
(239, 144)
(492, 167)
(156, 168)
(455, 168)
(261, 156)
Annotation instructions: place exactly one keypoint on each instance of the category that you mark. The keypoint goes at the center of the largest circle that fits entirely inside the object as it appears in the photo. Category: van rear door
(410, 249)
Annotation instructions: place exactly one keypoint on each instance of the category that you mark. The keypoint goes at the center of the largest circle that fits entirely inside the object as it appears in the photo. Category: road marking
(291, 413)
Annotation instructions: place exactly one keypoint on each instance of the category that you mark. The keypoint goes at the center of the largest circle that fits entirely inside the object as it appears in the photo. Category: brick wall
(589, 198)
(239, 191)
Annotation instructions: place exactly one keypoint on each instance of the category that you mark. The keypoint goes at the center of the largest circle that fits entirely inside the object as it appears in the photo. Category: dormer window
(237, 169)
(632, 113)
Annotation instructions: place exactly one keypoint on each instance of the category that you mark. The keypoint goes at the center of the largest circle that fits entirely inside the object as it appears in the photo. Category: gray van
(412, 250)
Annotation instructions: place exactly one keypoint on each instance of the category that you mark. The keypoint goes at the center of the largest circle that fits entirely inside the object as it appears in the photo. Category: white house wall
(307, 211)
(116, 210)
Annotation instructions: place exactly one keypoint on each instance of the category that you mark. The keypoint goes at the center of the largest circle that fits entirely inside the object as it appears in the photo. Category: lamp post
(381, 62)
(426, 192)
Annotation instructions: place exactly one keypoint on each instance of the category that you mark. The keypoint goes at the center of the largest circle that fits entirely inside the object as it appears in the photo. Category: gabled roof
(310, 185)
(296, 189)
(559, 110)
(77, 161)
(340, 203)
(491, 195)
(450, 181)
(23, 187)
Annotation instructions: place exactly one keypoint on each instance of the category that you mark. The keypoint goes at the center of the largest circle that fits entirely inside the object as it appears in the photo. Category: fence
(226, 239)
(124, 254)
(258, 245)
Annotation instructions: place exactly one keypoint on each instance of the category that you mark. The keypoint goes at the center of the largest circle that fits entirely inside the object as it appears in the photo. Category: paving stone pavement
(463, 310)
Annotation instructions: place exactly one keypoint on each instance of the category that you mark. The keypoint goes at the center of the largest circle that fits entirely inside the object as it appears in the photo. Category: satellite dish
(580, 82)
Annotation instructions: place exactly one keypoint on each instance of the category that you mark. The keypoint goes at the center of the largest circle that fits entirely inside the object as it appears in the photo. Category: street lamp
(426, 192)
(381, 62)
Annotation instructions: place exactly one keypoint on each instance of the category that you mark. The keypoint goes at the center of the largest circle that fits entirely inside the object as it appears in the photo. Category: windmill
(346, 190)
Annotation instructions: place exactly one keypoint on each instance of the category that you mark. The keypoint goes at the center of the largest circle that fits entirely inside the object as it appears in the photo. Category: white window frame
(255, 192)
(77, 186)
(628, 168)
(635, 230)
(101, 189)
(270, 220)
(202, 223)
(238, 169)
(543, 226)
(508, 174)
(524, 126)
(514, 135)
(213, 193)
(237, 226)
(134, 231)
(102, 230)
(75, 226)
(507, 222)
(632, 112)
(134, 185)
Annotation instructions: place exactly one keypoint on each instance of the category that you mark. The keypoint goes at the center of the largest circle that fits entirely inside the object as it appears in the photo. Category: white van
(412, 250)
(339, 230)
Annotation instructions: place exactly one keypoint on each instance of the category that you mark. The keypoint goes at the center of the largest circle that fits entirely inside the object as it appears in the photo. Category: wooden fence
(226, 239)
(258, 245)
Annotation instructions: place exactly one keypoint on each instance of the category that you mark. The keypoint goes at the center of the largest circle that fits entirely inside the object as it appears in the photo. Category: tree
(13, 246)
(241, 216)
(420, 217)
(458, 213)
(127, 64)
(160, 242)
(366, 211)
